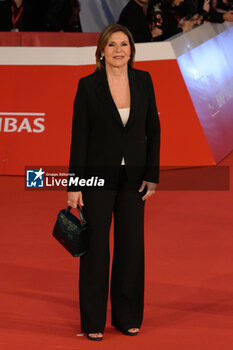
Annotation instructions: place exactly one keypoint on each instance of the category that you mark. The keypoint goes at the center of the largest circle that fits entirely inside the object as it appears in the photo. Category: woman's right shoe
(94, 338)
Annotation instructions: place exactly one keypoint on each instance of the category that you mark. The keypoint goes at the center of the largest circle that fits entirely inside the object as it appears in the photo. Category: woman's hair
(103, 40)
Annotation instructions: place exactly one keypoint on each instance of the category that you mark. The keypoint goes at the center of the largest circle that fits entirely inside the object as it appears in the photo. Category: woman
(115, 136)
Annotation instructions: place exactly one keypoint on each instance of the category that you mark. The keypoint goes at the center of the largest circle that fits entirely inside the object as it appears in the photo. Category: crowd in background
(42, 15)
(148, 20)
(157, 20)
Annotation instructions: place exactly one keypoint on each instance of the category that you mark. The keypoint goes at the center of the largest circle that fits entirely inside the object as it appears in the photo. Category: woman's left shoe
(130, 331)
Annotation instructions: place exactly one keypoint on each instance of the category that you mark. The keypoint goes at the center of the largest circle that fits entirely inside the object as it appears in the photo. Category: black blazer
(99, 138)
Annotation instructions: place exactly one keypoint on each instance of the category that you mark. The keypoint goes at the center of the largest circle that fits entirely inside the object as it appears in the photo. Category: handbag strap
(82, 218)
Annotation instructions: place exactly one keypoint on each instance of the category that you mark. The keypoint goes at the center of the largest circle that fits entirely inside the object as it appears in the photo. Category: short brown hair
(103, 39)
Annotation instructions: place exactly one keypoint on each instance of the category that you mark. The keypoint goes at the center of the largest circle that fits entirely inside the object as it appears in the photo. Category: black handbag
(71, 232)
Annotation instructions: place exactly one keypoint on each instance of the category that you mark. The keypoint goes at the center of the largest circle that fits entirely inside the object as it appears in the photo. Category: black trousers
(127, 275)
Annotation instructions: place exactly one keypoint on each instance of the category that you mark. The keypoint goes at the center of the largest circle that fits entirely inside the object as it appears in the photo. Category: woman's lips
(118, 57)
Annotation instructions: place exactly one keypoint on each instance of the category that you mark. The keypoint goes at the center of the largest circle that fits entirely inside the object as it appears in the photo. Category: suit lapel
(104, 95)
(134, 95)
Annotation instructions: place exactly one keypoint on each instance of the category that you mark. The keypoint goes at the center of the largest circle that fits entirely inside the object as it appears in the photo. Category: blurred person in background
(216, 11)
(226, 5)
(63, 15)
(210, 11)
(165, 15)
(133, 17)
(23, 15)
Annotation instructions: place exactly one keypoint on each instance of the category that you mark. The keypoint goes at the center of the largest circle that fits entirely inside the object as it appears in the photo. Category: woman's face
(117, 51)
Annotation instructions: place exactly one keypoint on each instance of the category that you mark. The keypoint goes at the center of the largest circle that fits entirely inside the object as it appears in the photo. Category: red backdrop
(27, 140)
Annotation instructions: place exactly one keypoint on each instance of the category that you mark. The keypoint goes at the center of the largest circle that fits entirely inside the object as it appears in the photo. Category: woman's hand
(151, 186)
(75, 198)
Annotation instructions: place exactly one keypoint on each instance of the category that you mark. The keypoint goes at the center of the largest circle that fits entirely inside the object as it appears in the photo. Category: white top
(124, 113)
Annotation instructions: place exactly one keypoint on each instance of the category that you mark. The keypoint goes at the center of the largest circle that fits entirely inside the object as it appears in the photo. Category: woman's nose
(118, 48)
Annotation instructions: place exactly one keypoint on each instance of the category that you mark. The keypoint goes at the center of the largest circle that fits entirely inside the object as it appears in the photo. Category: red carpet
(189, 274)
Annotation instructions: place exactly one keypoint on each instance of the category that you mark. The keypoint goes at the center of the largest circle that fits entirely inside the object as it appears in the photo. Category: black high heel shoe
(126, 332)
(94, 338)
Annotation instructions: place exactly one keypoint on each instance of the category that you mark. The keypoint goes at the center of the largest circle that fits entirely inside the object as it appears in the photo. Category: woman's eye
(110, 45)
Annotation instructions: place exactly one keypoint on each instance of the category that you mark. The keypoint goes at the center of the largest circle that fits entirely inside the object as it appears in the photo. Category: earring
(101, 58)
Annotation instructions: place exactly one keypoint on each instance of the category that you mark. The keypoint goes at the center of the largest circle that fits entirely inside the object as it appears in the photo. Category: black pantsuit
(127, 279)
(99, 141)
